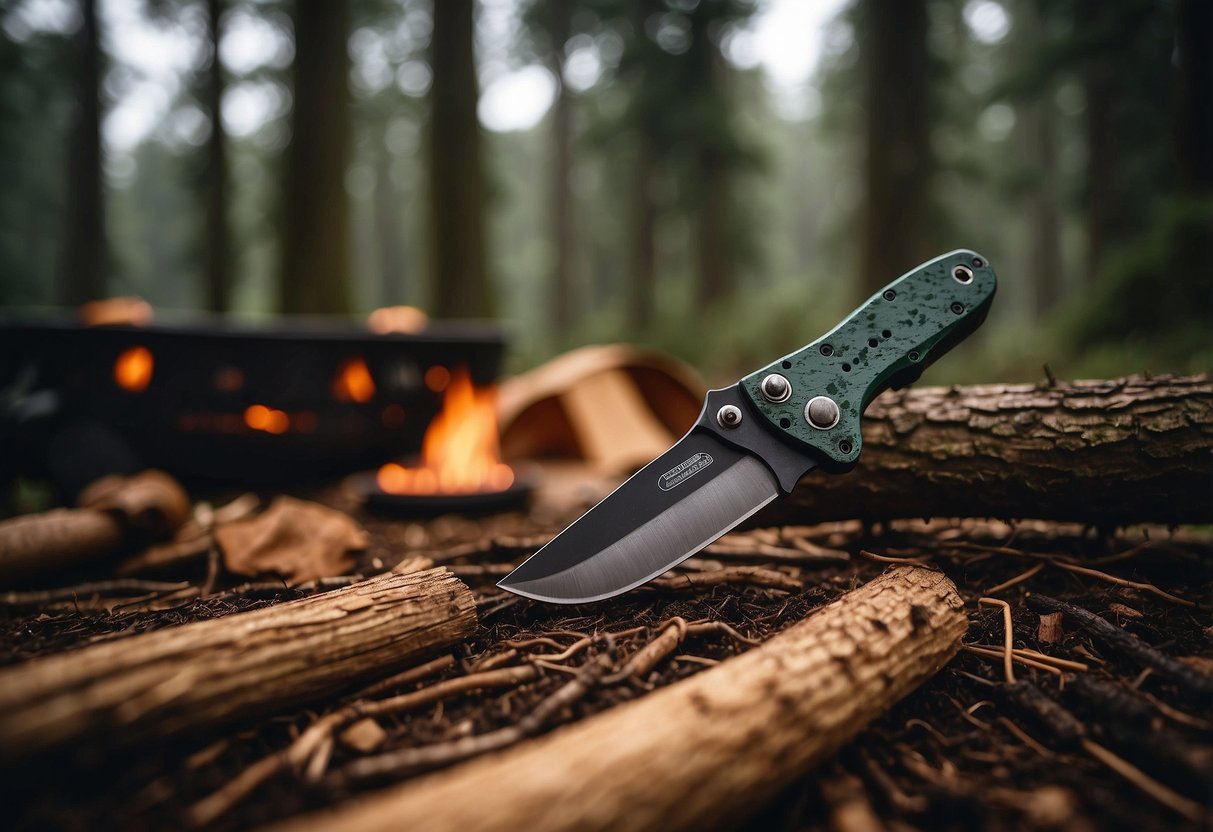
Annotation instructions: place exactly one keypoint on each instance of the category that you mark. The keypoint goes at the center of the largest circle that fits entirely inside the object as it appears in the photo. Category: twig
(1020, 578)
(1112, 579)
(744, 575)
(647, 657)
(411, 760)
(414, 674)
(1009, 637)
(999, 653)
(1024, 737)
(300, 752)
(889, 559)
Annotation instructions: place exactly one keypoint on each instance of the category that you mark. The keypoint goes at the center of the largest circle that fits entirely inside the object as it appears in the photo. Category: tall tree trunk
(315, 259)
(714, 264)
(642, 257)
(218, 258)
(561, 194)
(1037, 128)
(389, 234)
(1103, 156)
(899, 156)
(642, 296)
(459, 279)
(1194, 118)
(84, 257)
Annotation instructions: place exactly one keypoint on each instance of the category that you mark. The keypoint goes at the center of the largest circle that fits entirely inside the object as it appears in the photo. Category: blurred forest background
(323, 157)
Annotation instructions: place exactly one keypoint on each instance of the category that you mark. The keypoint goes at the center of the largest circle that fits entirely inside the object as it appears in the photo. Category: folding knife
(753, 441)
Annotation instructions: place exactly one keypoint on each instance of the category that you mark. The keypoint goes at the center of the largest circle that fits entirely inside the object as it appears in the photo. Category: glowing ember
(460, 453)
(133, 369)
(260, 417)
(353, 382)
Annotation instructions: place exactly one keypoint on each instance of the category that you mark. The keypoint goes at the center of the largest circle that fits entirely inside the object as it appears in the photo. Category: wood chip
(365, 735)
(1050, 631)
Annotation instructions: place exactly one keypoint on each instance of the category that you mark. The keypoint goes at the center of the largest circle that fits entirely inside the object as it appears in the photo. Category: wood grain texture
(1134, 449)
(154, 685)
(704, 751)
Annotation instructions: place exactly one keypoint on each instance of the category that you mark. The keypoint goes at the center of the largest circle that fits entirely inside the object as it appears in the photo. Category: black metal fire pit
(221, 402)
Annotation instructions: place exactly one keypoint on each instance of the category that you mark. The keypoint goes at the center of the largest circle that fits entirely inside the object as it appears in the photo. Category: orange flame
(133, 369)
(353, 382)
(460, 453)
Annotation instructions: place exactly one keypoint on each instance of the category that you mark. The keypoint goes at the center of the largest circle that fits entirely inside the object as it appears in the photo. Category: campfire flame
(460, 453)
(133, 369)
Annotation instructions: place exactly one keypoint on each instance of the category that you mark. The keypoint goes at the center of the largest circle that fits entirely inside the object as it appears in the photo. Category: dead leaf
(299, 540)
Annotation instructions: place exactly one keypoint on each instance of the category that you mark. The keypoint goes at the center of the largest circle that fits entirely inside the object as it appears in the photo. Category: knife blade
(754, 440)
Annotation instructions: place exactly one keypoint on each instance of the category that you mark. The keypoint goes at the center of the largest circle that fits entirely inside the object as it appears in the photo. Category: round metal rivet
(962, 274)
(775, 388)
(728, 416)
(821, 412)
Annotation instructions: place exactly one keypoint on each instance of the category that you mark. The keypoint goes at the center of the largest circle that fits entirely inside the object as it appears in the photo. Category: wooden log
(1130, 450)
(116, 511)
(704, 752)
(182, 679)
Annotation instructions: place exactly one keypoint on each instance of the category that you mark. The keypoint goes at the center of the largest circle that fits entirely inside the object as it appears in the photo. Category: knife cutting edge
(755, 439)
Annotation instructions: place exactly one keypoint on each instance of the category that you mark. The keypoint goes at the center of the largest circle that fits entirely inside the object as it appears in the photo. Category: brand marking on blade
(683, 471)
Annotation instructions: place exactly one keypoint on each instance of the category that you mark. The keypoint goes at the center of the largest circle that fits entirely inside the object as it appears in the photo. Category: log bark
(1130, 450)
(183, 679)
(705, 751)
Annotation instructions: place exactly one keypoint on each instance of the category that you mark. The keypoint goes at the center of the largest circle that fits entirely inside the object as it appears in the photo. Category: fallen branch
(704, 751)
(1091, 451)
(115, 512)
(153, 685)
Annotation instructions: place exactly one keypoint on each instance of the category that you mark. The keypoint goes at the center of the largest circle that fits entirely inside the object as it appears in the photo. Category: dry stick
(1112, 579)
(408, 677)
(734, 575)
(1009, 635)
(1000, 653)
(888, 559)
(411, 760)
(310, 745)
(150, 686)
(1127, 643)
(1020, 578)
(706, 750)
(647, 657)
(806, 553)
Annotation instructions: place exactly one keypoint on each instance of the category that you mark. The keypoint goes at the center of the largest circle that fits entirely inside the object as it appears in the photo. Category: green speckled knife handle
(886, 342)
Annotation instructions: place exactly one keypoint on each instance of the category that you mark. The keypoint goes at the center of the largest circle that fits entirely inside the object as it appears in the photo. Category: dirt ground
(962, 752)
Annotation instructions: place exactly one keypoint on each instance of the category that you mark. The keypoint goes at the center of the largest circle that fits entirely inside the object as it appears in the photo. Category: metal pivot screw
(821, 412)
(728, 416)
(776, 388)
